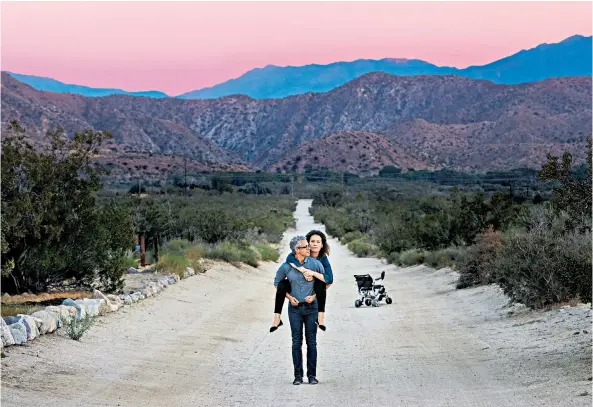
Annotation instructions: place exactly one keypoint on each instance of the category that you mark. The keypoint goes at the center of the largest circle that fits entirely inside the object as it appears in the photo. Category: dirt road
(205, 342)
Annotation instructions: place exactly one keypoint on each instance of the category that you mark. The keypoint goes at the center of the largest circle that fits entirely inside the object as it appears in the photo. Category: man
(303, 308)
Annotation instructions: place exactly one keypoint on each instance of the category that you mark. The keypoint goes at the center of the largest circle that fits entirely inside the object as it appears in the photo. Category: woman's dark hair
(325, 249)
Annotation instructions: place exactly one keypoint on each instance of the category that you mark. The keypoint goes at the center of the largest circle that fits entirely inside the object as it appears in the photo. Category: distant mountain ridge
(52, 85)
(570, 57)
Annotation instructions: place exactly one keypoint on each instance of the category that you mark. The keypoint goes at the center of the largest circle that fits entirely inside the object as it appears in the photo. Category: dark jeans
(284, 287)
(304, 315)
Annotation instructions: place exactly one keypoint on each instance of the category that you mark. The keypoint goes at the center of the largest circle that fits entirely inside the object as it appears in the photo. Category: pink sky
(178, 47)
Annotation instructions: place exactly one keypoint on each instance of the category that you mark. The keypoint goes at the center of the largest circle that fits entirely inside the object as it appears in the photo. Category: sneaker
(298, 380)
(313, 380)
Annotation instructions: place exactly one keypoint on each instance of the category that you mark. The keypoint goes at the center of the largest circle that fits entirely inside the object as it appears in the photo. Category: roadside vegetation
(63, 223)
(534, 240)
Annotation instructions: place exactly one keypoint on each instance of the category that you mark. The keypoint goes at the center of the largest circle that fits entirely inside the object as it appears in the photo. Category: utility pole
(142, 251)
(185, 175)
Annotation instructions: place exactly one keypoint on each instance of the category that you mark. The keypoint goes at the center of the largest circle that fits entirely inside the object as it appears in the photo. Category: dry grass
(17, 299)
(11, 310)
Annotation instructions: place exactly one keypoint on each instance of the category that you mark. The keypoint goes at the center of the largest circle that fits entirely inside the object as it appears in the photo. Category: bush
(194, 255)
(46, 238)
(130, 262)
(173, 263)
(330, 196)
(234, 253)
(393, 258)
(449, 257)
(77, 328)
(350, 236)
(178, 246)
(362, 249)
(479, 264)
(392, 232)
(267, 252)
(546, 264)
(411, 258)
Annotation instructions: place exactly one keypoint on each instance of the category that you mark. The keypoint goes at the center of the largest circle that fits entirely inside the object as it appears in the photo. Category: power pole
(185, 175)
(142, 251)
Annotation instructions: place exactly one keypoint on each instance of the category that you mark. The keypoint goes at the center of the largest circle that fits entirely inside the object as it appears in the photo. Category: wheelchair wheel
(357, 303)
(388, 300)
(367, 302)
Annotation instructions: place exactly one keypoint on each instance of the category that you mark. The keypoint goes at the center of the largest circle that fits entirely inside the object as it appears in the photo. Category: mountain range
(52, 85)
(377, 119)
(570, 57)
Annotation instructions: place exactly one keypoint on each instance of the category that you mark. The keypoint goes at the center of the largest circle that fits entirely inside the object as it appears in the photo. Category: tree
(574, 195)
(52, 228)
(389, 171)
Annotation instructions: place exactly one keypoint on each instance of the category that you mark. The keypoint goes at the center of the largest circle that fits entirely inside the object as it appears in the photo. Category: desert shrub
(362, 248)
(448, 257)
(234, 253)
(411, 258)
(178, 246)
(350, 236)
(393, 258)
(129, 262)
(329, 196)
(194, 255)
(173, 263)
(46, 238)
(546, 263)
(215, 225)
(479, 263)
(267, 252)
(76, 329)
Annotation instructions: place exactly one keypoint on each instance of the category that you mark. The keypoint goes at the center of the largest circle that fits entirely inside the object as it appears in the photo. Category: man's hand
(293, 301)
(309, 299)
(327, 286)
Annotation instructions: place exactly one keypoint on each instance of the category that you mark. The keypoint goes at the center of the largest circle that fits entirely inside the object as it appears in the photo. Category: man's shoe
(298, 380)
(313, 380)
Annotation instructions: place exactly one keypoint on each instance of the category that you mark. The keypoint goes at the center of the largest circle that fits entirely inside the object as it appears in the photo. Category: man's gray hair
(294, 242)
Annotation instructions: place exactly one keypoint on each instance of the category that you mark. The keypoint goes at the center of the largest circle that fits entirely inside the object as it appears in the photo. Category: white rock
(49, 321)
(19, 332)
(80, 309)
(64, 313)
(7, 339)
(147, 292)
(91, 306)
(114, 299)
(33, 323)
(106, 304)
